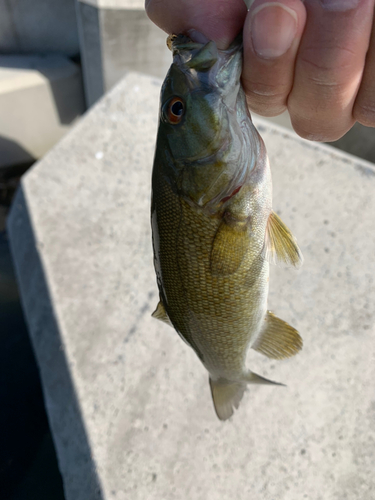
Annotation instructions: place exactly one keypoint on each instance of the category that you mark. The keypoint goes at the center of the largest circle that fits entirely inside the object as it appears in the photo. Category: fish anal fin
(278, 340)
(161, 314)
(229, 247)
(280, 244)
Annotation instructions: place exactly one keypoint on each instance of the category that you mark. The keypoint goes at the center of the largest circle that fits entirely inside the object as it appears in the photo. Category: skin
(326, 76)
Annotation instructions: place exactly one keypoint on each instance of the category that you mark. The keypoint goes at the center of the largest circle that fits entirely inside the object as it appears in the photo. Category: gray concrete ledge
(38, 26)
(40, 99)
(128, 401)
(116, 36)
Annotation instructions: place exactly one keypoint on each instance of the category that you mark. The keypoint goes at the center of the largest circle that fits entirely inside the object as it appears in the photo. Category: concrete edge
(68, 429)
(76, 127)
(343, 155)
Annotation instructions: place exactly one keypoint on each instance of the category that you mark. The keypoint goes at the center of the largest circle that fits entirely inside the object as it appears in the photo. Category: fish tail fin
(227, 394)
(253, 378)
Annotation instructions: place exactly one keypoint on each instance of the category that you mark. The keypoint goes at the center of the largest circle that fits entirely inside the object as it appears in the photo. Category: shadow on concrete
(25, 434)
(12, 153)
(57, 69)
(69, 102)
(68, 429)
(359, 141)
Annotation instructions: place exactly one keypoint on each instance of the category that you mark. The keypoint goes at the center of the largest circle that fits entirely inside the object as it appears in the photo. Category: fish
(214, 232)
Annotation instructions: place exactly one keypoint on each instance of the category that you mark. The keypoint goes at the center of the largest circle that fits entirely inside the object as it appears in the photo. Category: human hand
(309, 58)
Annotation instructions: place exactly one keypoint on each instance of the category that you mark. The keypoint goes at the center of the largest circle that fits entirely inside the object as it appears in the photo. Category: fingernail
(339, 5)
(273, 29)
(248, 3)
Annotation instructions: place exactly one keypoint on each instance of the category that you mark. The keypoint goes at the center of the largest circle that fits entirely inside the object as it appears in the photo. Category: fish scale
(219, 305)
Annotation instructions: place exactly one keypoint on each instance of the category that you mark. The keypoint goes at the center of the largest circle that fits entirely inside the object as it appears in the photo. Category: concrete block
(38, 26)
(116, 36)
(129, 403)
(40, 98)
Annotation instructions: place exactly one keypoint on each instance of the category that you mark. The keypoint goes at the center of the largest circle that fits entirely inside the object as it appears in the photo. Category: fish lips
(205, 64)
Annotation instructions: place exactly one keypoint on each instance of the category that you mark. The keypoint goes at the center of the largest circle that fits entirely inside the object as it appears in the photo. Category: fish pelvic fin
(280, 246)
(227, 395)
(161, 314)
(278, 340)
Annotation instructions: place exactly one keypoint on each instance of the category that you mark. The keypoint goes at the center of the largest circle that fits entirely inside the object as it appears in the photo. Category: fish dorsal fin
(280, 245)
(161, 314)
(229, 248)
(278, 340)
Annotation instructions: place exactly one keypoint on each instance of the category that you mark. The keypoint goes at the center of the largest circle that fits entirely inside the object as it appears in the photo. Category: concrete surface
(38, 26)
(40, 98)
(359, 141)
(116, 36)
(128, 402)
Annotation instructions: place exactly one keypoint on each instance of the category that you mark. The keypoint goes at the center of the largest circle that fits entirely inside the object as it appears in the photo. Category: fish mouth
(196, 40)
(216, 71)
(199, 56)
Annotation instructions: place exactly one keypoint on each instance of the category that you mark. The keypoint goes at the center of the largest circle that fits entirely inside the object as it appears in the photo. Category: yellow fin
(280, 245)
(161, 314)
(278, 340)
(229, 248)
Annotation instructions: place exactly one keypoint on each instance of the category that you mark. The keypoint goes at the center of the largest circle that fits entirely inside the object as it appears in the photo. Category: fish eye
(175, 110)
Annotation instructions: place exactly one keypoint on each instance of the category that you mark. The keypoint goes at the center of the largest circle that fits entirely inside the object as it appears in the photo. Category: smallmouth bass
(214, 231)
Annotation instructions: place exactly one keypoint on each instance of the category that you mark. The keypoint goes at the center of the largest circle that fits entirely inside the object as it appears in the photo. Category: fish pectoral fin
(278, 340)
(280, 245)
(161, 314)
(226, 396)
(229, 247)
